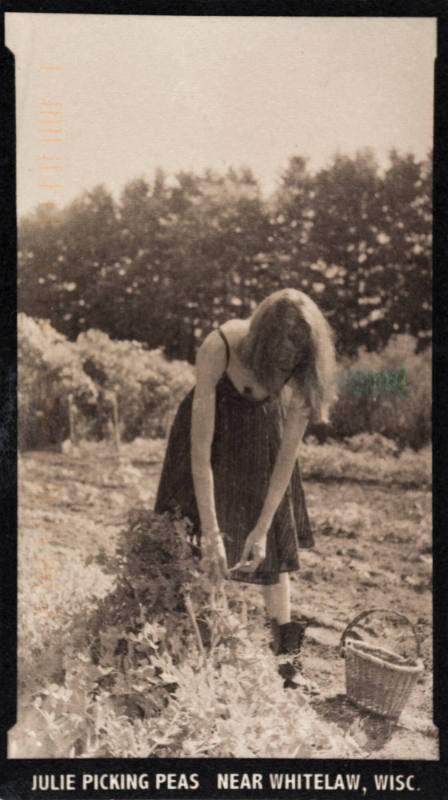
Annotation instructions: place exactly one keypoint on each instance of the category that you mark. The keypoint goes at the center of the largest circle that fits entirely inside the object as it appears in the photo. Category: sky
(103, 99)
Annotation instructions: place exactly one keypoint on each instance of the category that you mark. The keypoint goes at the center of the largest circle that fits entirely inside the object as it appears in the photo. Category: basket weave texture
(378, 679)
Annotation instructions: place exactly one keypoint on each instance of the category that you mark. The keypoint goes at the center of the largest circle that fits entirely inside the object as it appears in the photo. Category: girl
(231, 461)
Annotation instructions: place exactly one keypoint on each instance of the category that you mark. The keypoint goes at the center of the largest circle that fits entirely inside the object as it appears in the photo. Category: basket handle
(383, 610)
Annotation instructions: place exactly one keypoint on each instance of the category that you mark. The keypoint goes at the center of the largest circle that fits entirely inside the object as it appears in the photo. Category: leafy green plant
(132, 681)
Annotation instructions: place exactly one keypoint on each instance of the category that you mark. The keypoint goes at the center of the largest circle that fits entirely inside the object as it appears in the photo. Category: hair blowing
(292, 311)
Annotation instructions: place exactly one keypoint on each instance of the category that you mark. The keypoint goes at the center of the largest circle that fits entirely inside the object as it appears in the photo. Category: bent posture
(231, 462)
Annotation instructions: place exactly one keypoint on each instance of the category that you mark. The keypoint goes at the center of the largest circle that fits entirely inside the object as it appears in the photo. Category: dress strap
(288, 378)
(227, 346)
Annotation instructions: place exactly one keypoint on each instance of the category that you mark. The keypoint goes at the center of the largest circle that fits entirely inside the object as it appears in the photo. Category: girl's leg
(277, 599)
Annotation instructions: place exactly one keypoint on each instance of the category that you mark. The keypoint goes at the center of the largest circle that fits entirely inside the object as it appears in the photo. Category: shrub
(403, 415)
(337, 461)
(94, 370)
(148, 386)
(50, 369)
(372, 443)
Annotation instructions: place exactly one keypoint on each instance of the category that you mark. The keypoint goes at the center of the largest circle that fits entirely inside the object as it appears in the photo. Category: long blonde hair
(315, 369)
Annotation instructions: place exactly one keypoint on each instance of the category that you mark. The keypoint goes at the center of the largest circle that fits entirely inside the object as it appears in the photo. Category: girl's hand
(214, 556)
(254, 552)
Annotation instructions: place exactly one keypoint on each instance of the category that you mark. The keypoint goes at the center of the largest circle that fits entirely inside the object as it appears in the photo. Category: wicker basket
(377, 679)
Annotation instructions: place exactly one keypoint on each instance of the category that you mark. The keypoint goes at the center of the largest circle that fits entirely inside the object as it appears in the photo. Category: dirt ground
(373, 550)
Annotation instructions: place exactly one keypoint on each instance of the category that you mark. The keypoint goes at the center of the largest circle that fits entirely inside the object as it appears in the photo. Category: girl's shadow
(370, 730)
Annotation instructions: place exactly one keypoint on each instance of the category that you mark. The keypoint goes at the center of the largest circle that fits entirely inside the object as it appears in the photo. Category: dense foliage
(50, 369)
(173, 257)
(401, 412)
(95, 371)
(126, 677)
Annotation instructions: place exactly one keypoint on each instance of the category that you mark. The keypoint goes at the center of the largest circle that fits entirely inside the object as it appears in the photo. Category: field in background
(371, 512)
(97, 387)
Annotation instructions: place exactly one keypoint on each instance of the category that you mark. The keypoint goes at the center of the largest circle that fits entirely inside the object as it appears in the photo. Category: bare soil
(373, 550)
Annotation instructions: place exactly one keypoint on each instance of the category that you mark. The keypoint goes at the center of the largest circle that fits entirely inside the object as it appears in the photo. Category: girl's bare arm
(210, 364)
(294, 429)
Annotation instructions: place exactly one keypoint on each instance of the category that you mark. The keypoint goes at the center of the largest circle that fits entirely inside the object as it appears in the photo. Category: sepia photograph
(224, 279)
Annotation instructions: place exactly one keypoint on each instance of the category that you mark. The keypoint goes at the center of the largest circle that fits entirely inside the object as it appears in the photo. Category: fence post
(71, 419)
(115, 421)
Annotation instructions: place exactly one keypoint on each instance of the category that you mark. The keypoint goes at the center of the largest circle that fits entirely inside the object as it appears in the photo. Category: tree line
(174, 256)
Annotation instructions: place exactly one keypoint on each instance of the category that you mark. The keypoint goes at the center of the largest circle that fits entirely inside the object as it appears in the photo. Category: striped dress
(245, 444)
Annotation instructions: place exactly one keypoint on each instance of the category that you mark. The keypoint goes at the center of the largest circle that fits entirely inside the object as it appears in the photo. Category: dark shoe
(276, 644)
(287, 671)
(290, 684)
(287, 638)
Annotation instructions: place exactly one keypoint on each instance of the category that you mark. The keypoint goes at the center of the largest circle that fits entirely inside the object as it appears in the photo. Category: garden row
(96, 387)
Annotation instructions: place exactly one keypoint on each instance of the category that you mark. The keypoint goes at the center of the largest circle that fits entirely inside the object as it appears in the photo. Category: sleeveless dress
(245, 444)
